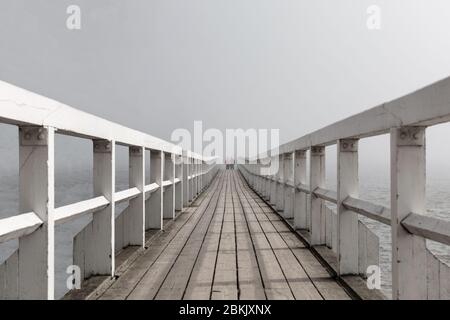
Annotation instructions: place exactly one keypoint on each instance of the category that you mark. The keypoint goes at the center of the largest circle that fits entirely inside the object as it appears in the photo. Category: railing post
(136, 208)
(300, 200)
(317, 180)
(280, 185)
(273, 184)
(409, 267)
(179, 186)
(191, 181)
(347, 221)
(185, 182)
(288, 190)
(154, 206)
(267, 180)
(100, 251)
(36, 193)
(169, 191)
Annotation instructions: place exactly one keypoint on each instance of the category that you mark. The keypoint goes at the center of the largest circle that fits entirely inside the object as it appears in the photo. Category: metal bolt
(27, 136)
(403, 135)
(41, 136)
(345, 145)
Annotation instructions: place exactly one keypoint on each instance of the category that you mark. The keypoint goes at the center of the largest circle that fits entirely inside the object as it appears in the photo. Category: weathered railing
(416, 273)
(177, 177)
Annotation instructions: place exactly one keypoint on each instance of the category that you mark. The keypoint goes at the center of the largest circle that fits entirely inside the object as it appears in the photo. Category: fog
(160, 65)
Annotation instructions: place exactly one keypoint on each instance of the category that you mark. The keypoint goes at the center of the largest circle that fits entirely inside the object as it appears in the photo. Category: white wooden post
(347, 221)
(191, 181)
(154, 206)
(317, 180)
(179, 186)
(280, 185)
(288, 190)
(273, 183)
(267, 183)
(300, 200)
(99, 256)
(409, 264)
(36, 193)
(169, 191)
(186, 174)
(136, 208)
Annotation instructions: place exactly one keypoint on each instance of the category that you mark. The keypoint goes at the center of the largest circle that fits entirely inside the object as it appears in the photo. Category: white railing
(415, 272)
(177, 177)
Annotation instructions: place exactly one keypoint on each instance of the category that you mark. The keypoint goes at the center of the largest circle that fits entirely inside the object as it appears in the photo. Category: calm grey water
(77, 186)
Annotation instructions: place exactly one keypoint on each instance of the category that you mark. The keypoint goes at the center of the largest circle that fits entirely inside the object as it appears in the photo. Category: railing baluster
(36, 194)
(136, 209)
(99, 255)
(317, 180)
(347, 221)
(154, 206)
(185, 180)
(179, 186)
(169, 191)
(280, 185)
(288, 190)
(409, 267)
(300, 204)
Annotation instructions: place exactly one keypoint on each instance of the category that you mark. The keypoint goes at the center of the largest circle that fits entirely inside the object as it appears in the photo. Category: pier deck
(229, 245)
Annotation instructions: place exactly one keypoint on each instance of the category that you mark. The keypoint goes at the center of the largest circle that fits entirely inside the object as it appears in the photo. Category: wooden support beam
(317, 180)
(409, 262)
(300, 198)
(154, 205)
(169, 191)
(179, 186)
(288, 160)
(347, 221)
(36, 194)
(136, 209)
(99, 250)
(280, 185)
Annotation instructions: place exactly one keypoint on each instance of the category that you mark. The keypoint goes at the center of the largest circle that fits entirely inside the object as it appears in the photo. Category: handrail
(18, 226)
(428, 227)
(71, 211)
(38, 119)
(405, 111)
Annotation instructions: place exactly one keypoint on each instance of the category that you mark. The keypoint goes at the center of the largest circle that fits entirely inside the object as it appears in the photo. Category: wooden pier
(193, 230)
(229, 245)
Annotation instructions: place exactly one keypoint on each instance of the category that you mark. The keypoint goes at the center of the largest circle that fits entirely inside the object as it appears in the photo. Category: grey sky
(288, 64)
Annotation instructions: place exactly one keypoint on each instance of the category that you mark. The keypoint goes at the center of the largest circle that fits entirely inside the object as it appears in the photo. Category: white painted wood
(126, 195)
(369, 210)
(317, 180)
(19, 106)
(347, 221)
(10, 269)
(185, 180)
(36, 194)
(428, 227)
(273, 181)
(18, 226)
(72, 211)
(325, 194)
(178, 186)
(288, 160)
(279, 204)
(407, 195)
(135, 219)
(168, 187)
(299, 197)
(99, 255)
(408, 110)
(154, 205)
(150, 188)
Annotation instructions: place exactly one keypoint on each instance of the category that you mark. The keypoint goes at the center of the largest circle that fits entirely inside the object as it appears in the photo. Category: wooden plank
(275, 284)
(175, 284)
(151, 281)
(126, 283)
(225, 276)
(201, 279)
